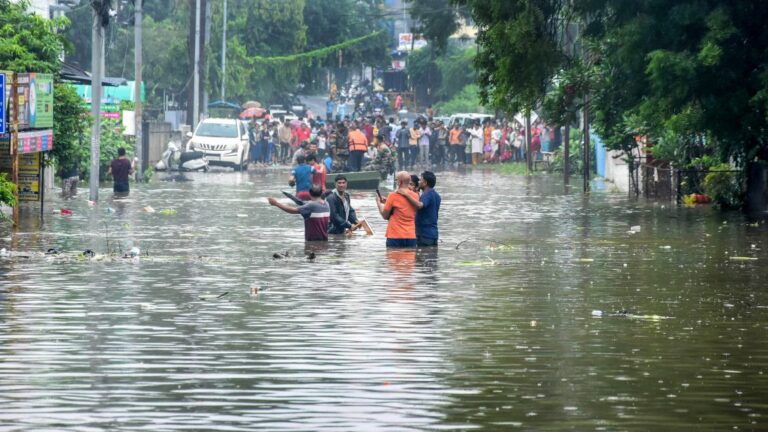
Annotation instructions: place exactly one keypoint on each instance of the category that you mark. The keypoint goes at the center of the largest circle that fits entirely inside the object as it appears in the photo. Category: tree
(437, 20)
(519, 52)
(703, 76)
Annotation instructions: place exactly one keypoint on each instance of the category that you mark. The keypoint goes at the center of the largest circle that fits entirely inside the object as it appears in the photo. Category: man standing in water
(428, 206)
(401, 230)
(120, 169)
(315, 213)
(343, 216)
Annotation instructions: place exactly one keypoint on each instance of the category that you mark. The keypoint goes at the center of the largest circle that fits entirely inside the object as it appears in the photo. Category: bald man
(401, 229)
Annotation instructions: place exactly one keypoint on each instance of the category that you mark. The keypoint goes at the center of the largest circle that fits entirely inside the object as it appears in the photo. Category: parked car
(223, 141)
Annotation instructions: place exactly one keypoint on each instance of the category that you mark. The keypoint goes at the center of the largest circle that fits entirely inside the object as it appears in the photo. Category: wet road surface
(540, 310)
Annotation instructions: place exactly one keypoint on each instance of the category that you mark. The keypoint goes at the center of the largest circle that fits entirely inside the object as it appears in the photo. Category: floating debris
(168, 211)
(584, 260)
(148, 209)
(742, 258)
(212, 296)
(281, 255)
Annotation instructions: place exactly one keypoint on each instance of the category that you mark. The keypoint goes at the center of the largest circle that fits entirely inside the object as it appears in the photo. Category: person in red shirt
(318, 177)
(120, 169)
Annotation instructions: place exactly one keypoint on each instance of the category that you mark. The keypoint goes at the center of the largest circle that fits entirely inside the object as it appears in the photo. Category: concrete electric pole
(137, 24)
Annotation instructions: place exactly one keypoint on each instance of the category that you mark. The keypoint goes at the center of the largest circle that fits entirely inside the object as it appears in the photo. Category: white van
(467, 119)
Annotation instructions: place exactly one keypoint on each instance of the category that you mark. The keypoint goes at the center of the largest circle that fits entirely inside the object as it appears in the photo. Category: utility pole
(528, 156)
(137, 49)
(224, 55)
(567, 154)
(97, 57)
(196, 76)
(585, 150)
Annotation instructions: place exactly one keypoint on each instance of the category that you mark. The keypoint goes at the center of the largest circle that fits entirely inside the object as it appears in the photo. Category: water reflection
(493, 329)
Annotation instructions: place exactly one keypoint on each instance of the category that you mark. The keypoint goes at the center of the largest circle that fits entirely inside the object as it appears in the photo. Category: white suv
(224, 142)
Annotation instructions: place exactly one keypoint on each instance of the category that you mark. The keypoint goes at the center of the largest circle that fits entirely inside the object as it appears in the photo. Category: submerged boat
(356, 180)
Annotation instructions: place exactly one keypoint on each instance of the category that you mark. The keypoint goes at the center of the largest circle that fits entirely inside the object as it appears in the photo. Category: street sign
(2, 103)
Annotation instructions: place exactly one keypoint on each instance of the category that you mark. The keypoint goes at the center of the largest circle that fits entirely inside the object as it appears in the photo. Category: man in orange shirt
(401, 229)
(358, 145)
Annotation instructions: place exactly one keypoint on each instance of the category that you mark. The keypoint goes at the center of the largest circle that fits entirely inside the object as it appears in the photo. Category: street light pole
(196, 76)
(138, 16)
(224, 55)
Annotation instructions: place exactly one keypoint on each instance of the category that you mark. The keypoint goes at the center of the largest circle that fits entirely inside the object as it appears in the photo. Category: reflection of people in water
(426, 258)
(401, 262)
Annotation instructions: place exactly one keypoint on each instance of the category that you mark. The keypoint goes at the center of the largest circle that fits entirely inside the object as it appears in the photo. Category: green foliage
(7, 191)
(441, 78)
(437, 19)
(70, 126)
(519, 50)
(722, 185)
(111, 139)
(28, 42)
(257, 29)
(467, 100)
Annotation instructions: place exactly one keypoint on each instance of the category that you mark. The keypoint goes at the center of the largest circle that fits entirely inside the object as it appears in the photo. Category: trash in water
(65, 212)
(52, 251)
(110, 210)
(597, 313)
(168, 211)
(281, 255)
(242, 215)
(742, 258)
(635, 229)
(311, 256)
(3, 252)
(91, 203)
(665, 247)
(255, 290)
(135, 252)
(212, 296)
(584, 260)
(88, 253)
(148, 209)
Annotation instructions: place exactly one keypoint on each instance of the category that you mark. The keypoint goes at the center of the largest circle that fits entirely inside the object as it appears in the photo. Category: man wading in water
(401, 214)
(315, 213)
(428, 206)
(120, 169)
(343, 217)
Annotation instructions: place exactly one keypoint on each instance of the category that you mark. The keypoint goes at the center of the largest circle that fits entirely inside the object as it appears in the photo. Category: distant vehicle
(446, 120)
(297, 106)
(223, 141)
(467, 119)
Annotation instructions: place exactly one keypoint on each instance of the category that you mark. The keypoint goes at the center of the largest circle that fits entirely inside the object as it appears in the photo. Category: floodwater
(512, 323)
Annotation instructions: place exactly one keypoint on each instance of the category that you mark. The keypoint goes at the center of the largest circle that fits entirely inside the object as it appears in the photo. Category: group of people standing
(411, 211)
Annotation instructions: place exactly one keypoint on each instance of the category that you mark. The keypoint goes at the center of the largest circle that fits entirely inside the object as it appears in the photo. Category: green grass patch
(515, 168)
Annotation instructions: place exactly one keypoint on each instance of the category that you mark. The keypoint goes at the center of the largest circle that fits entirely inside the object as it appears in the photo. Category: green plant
(7, 191)
(722, 185)
(111, 139)
(148, 174)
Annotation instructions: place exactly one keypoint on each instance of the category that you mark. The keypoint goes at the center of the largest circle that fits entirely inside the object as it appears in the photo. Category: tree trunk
(756, 200)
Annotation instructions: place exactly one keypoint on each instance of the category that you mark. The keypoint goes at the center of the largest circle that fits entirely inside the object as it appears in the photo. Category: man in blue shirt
(301, 176)
(428, 207)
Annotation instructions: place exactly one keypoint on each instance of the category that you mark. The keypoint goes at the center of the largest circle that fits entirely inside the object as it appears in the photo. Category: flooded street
(541, 310)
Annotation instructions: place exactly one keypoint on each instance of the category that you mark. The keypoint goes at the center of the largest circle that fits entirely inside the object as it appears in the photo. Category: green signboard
(40, 100)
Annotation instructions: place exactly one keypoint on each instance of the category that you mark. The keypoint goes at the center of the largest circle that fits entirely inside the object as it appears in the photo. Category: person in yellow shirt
(413, 144)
